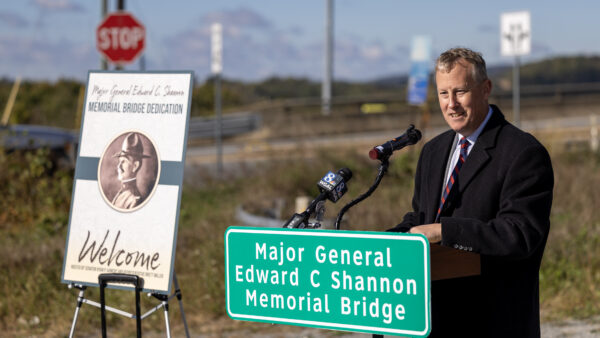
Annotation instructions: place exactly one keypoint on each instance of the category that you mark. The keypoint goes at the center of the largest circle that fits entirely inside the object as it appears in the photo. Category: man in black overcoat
(496, 203)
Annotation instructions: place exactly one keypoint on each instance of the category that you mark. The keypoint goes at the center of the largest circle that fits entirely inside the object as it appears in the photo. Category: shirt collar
(473, 137)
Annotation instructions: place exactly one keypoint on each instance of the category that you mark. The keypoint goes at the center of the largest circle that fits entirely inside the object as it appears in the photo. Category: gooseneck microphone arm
(382, 153)
(383, 167)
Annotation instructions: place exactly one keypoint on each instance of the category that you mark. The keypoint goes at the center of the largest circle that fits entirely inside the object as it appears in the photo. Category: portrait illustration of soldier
(128, 171)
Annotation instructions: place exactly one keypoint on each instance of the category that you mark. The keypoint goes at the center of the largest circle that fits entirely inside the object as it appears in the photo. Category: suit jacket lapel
(438, 171)
(479, 156)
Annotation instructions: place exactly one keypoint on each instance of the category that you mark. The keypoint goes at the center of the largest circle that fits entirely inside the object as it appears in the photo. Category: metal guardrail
(248, 219)
(234, 124)
(399, 96)
(543, 90)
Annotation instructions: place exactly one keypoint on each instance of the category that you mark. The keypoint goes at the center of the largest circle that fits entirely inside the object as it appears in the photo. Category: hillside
(572, 69)
(58, 103)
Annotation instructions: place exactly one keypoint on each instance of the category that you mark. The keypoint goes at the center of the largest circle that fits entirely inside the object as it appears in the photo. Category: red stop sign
(121, 37)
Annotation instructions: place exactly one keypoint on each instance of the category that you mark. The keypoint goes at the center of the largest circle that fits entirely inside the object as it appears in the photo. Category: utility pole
(103, 13)
(120, 7)
(328, 62)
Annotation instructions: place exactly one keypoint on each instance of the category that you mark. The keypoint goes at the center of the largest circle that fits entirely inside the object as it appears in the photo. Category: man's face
(462, 101)
(127, 167)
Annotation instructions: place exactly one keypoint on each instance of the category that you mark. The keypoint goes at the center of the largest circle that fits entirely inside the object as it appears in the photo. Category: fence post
(594, 133)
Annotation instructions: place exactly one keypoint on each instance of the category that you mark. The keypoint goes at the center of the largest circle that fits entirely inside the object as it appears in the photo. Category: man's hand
(433, 232)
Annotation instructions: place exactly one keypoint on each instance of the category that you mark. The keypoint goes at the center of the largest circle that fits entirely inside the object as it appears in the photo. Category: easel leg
(178, 294)
(79, 302)
(164, 303)
(168, 328)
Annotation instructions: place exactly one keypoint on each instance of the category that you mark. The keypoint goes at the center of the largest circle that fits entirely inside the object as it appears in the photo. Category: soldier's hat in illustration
(132, 146)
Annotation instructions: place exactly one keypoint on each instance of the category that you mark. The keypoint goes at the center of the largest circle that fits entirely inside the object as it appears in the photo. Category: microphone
(335, 184)
(410, 137)
(332, 187)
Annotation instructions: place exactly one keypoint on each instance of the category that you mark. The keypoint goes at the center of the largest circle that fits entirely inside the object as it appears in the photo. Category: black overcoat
(499, 208)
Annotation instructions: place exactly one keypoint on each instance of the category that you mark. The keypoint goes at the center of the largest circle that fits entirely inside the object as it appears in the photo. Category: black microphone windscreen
(415, 136)
(345, 173)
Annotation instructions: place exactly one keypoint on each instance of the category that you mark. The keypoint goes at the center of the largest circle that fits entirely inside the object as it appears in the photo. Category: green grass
(34, 218)
(570, 273)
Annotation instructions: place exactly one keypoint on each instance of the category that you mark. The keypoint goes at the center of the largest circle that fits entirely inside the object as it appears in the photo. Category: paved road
(251, 150)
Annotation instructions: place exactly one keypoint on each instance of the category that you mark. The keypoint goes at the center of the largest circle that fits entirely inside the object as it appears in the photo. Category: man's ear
(487, 88)
(136, 165)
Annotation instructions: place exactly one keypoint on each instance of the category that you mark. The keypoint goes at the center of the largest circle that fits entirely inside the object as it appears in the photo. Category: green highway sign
(343, 280)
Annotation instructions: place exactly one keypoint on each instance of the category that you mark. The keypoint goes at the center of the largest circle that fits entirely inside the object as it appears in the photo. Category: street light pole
(328, 62)
(219, 125)
(515, 40)
(216, 69)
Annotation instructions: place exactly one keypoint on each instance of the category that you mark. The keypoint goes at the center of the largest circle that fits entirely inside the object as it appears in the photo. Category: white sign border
(321, 233)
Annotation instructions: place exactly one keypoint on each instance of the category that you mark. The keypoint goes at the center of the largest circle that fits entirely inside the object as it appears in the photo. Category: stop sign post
(120, 37)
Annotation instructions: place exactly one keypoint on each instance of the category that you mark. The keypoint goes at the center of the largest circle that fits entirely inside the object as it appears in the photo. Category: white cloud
(254, 48)
(39, 59)
(58, 5)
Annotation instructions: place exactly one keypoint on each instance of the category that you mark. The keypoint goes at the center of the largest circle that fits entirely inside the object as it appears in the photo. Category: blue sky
(51, 39)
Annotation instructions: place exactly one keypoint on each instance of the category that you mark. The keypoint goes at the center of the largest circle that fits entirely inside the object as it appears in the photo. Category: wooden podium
(449, 263)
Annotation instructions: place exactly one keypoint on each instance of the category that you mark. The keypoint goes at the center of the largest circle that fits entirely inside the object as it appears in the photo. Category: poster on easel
(128, 177)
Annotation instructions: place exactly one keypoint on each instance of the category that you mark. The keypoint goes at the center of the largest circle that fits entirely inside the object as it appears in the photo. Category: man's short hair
(448, 59)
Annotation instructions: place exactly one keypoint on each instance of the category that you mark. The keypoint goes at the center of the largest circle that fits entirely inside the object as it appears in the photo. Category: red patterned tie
(464, 145)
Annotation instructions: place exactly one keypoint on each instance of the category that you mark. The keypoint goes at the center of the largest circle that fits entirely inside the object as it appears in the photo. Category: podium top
(449, 263)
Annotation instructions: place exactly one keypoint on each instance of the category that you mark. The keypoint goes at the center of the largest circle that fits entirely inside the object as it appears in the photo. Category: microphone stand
(301, 220)
(383, 167)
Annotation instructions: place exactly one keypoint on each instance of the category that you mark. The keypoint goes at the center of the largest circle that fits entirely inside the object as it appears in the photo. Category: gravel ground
(572, 328)
(235, 329)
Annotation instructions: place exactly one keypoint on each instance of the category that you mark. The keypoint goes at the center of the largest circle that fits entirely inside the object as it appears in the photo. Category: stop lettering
(124, 37)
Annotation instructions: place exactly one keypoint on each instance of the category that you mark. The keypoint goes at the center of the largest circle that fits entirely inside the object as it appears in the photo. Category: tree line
(60, 103)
